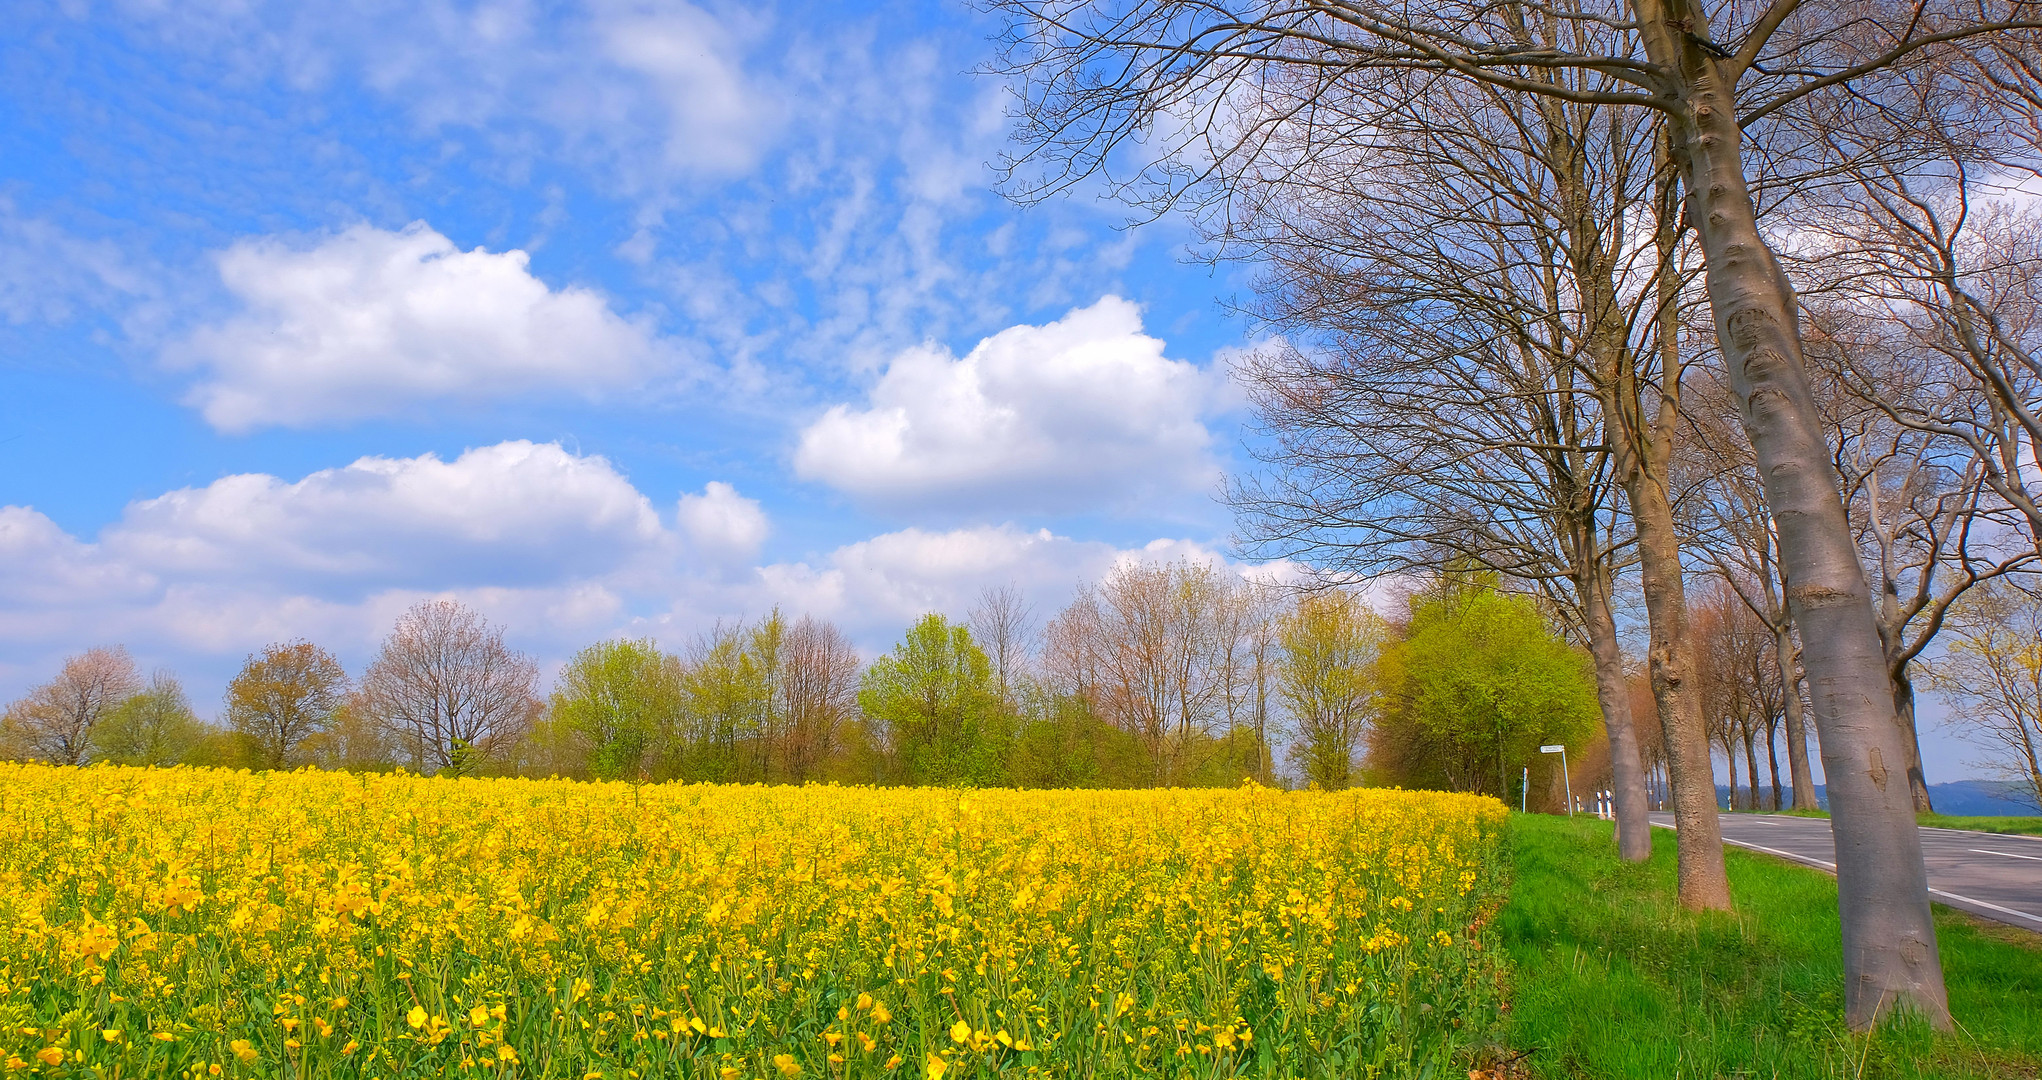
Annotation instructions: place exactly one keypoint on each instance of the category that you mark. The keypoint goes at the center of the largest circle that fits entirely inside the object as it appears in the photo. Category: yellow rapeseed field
(210, 923)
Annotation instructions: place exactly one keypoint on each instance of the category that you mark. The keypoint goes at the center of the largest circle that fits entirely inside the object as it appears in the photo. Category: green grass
(2026, 826)
(1612, 979)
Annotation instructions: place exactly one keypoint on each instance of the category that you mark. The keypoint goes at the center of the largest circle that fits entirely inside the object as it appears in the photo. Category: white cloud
(722, 523)
(876, 586)
(49, 275)
(1083, 411)
(513, 513)
(370, 322)
(559, 548)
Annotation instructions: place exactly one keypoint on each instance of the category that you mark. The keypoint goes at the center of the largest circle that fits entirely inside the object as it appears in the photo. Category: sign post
(1524, 790)
(1562, 751)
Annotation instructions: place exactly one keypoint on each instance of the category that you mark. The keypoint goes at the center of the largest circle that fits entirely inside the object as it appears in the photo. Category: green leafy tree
(937, 701)
(619, 701)
(1328, 680)
(734, 702)
(154, 726)
(1481, 681)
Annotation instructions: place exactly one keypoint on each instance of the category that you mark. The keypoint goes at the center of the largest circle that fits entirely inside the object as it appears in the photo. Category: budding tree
(447, 688)
(285, 695)
(55, 721)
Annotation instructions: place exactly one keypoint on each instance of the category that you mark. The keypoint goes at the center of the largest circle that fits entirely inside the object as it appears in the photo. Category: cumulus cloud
(559, 548)
(370, 322)
(876, 586)
(510, 514)
(1083, 411)
(723, 524)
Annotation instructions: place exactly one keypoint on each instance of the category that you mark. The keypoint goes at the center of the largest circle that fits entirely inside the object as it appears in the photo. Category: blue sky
(605, 318)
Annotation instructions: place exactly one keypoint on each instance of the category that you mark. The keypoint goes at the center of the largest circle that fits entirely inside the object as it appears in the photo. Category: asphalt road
(1992, 876)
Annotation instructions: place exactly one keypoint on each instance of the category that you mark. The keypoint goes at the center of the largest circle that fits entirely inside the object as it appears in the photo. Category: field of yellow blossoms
(200, 923)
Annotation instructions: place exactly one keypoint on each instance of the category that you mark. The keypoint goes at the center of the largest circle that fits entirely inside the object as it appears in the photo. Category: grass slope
(2030, 826)
(2026, 826)
(1612, 979)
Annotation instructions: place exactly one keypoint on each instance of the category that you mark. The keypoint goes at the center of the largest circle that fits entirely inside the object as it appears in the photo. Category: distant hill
(1964, 798)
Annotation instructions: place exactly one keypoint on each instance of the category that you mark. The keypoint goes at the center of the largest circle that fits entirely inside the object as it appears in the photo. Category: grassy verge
(1612, 979)
(2029, 826)
(2026, 826)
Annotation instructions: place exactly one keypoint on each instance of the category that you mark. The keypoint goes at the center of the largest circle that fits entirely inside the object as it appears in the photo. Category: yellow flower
(880, 1015)
(163, 1036)
(111, 1034)
(416, 1017)
(960, 1031)
(478, 1016)
(506, 1054)
(786, 1064)
(243, 1053)
(937, 1067)
(51, 1056)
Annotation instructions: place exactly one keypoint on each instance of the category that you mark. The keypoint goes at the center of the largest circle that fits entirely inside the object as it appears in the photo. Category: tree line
(1618, 299)
(1162, 674)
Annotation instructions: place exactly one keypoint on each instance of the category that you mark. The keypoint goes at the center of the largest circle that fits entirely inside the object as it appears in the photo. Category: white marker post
(1562, 751)
(1524, 790)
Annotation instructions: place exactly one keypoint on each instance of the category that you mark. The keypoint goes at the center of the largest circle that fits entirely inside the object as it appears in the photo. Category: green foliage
(733, 703)
(618, 701)
(153, 727)
(1480, 681)
(1329, 679)
(936, 701)
(1614, 980)
(1061, 743)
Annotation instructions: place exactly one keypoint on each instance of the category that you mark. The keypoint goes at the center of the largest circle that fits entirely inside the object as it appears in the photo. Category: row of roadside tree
(1181, 673)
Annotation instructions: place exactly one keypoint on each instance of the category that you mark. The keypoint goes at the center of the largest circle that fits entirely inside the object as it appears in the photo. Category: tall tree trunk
(1903, 706)
(1889, 936)
(1730, 764)
(1797, 732)
(1642, 452)
(1751, 759)
(1612, 691)
(1772, 760)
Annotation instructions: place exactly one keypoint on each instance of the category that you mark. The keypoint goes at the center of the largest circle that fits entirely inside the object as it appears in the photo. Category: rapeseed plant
(205, 923)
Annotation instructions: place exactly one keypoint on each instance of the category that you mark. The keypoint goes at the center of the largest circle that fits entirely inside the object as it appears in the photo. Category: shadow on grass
(1612, 979)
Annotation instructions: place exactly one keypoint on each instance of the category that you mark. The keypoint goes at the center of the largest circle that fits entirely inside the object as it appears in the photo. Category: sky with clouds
(603, 317)
(609, 317)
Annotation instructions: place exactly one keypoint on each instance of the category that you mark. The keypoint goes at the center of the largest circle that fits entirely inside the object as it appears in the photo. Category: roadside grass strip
(1612, 979)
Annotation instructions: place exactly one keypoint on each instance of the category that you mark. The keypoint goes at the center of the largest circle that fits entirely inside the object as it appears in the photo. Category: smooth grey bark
(1642, 452)
(1903, 707)
(1612, 692)
(1889, 938)
(1798, 768)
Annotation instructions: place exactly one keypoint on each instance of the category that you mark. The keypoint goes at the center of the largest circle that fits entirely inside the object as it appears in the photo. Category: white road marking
(2008, 854)
(1831, 867)
(1983, 904)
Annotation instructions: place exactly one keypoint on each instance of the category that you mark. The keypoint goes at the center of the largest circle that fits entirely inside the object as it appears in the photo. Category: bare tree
(54, 722)
(1003, 625)
(820, 684)
(283, 696)
(1166, 664)
(1724, 511)
(1462, 323)
(1208, 82)
(448, 689)
(1991, 674)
